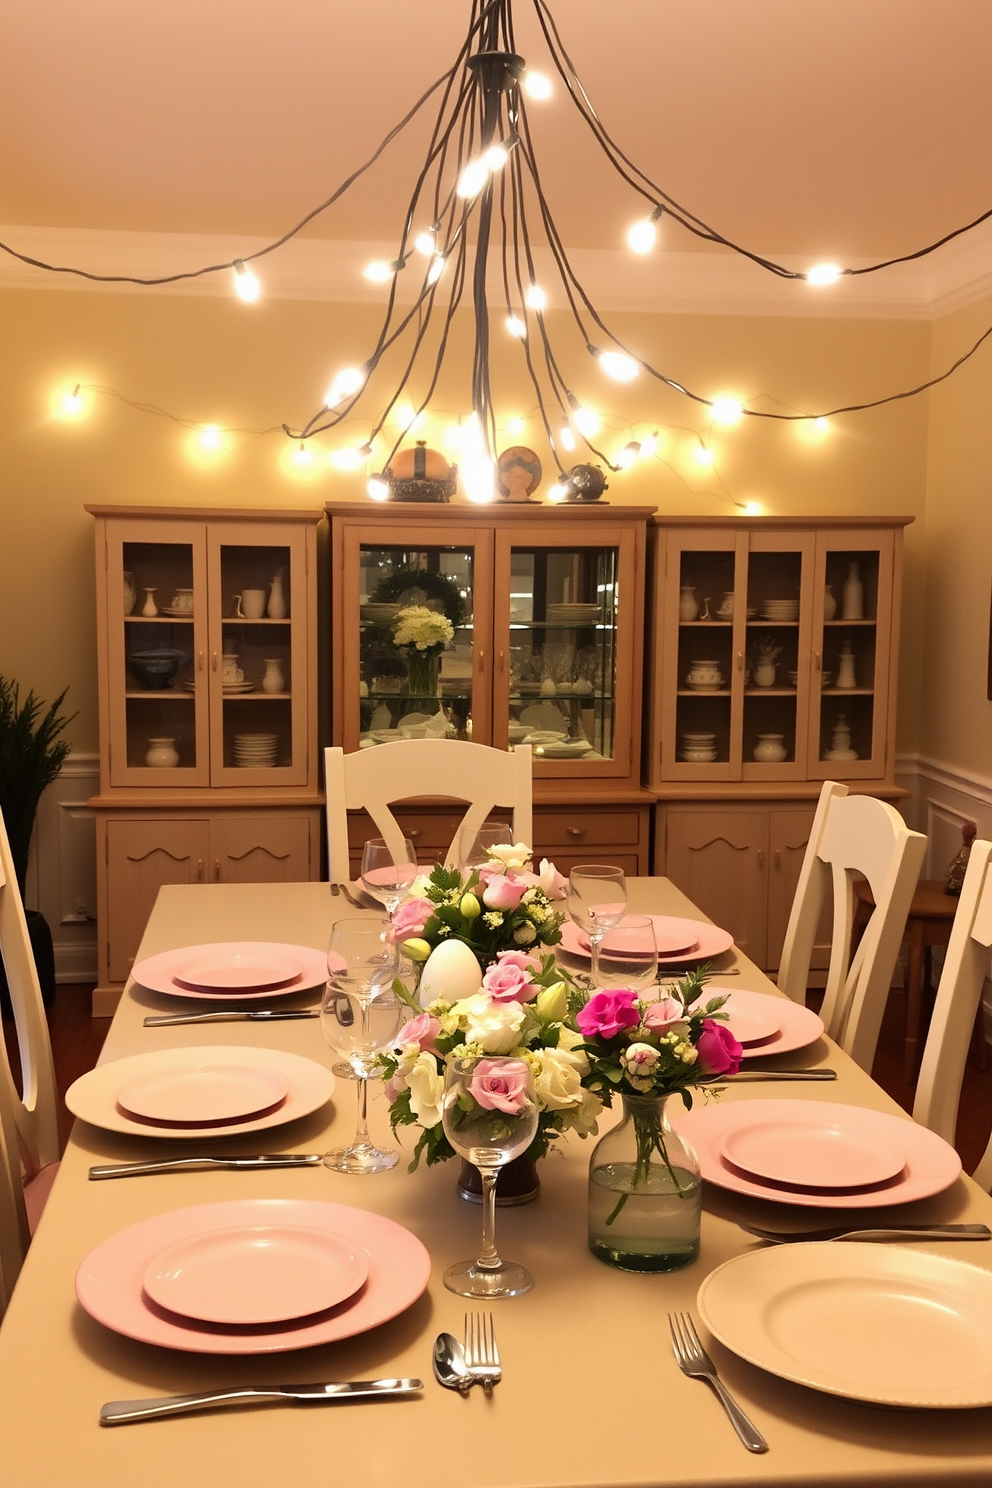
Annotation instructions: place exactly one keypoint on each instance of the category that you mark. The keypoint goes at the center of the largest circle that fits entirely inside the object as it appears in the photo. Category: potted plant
(31, 756)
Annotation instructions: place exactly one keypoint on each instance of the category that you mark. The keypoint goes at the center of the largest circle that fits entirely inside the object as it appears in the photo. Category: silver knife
(809, 1074)
(194, 1164)
(120, 1412)
(276, 1015)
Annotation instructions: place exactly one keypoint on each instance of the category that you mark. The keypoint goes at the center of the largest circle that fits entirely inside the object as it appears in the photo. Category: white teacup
(182, 600)
(250, 604)
(232, 672)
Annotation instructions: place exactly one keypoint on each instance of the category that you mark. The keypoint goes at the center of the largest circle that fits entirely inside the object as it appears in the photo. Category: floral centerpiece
(421, 634)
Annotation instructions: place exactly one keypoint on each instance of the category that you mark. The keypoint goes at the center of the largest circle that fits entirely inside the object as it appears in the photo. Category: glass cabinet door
(413, 656)
(776, 656)
(852, 648)
(564, 647)
(703, 625)
(258, 655)
(156, 581)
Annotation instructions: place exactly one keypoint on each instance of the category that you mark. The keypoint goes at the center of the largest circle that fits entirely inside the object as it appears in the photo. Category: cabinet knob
(778, 857)
(213, 660)
(199, 660)
(761, 858)
(199, 870)
(576, 831)
(216, 870)
(816, 661)
(414, 833)
(740, 661)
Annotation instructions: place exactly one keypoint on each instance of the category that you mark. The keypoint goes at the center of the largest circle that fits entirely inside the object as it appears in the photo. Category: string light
(377, 489)
(436, 269)
(71, 405)
(536, 86)
(626, 457)
(821, 425)
(246, 285)
(702, 454)
(516, 326)
(473, 178)
(649, 445)
(726, 411)
(567, 439)
(347, 382)
(303, 456)
(617, 364)
(586, 422)
(824, 273)
(515, 426)
(379, 272)
(425, 243)
(642, 235)
(211, 438)
(557, 493)
(753, 508)
(536, 297)
(346, 458)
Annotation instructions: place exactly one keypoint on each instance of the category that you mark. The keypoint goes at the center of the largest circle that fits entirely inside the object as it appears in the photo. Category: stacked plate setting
(256, 751)
(784, 610)
(573, 614)
(698, 749)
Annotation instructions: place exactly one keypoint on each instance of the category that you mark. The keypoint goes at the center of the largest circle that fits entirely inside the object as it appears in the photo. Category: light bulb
(535, 297)
(515, 426)
(436, 269)
(303, 456)
(824, 273)
(516, 326)
(404, 413)
(618, 365)
(377, 489)
(473, 178)
(211, 438)
(479, 477)
(753, 508)
(246, 286)
(702, 455)
(454, 437)
(586, 422)
(821, 424)
(424, 243)
(378, 271)
(726, 410)
(536, 86)
(346, 458)
(649, 445)
(626, 457)
(557, 493)
(496, 156)
(348, 381)
(566, 438)
(641, 236)
(72, 403)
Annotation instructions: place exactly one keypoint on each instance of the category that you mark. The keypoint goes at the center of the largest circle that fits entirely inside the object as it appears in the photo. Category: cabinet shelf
(164, 693)
(706, 625)
(770, 691)
(703, 692)
(842, 692)
(257, 697)
(159, 619)
(262, 620)
(846, 624)
(773, 624)
(560, 625)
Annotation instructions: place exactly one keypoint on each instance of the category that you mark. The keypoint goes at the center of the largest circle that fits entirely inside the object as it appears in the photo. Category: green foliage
(31, 756)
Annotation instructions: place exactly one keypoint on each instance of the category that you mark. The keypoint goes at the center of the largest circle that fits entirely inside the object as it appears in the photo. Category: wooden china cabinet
(773, 652)
(547, 608)
(206, 627)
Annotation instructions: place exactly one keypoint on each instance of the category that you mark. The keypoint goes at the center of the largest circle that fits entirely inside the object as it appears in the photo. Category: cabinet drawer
(578, 827)
(628, 863)
(429, 831)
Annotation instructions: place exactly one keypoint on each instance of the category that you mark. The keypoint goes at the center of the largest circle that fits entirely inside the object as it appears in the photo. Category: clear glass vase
(644, 1191)
(422, 673)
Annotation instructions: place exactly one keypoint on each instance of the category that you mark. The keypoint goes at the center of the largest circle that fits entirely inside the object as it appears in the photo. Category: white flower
(582, 1119)
(495, 1026)
(426, 1090)
(420, 888)
(425, 629)
(687, 1053)
(511, 855)
(525, 934)
(551, 1003)
(559, 1084)
(639, 1061)
(494, 919)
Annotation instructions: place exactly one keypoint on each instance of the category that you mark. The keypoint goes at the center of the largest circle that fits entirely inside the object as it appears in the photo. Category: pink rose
(409, 920)
(503, 890)
(608, 1013)
(500, 1085)
(662, 1016)
(395, 1087)
(507, 983)
(422, 1031)
(718, 1050)
(527, 963)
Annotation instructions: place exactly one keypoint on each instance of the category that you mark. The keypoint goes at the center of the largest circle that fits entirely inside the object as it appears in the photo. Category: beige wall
(215, 360)
(956, 724)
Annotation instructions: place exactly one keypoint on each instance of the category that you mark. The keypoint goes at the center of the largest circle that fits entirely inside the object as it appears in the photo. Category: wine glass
(360, 1014)
(385, 877)
(490, 1116)
(597, 899)
(628, 954)
(474, 845)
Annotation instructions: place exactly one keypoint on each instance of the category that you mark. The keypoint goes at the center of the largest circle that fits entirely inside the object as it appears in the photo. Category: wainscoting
(62, 868)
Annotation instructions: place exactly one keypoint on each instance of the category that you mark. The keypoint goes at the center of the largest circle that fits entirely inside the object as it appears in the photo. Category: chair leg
(914, 1004)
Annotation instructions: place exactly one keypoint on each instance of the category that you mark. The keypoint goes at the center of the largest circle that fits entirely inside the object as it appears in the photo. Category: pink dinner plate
(704, 941)
(254, 1274)
(750, 1022)
(159, 973)
(387, 878)
(109, 1283)
(931, 1164)
(94, 1097)
(203, 1092)
(239, 970)
(834, 1153)
(797, 1025)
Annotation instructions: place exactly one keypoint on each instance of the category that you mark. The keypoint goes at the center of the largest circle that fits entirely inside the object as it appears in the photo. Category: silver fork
(694, 1361)
(481, 1353)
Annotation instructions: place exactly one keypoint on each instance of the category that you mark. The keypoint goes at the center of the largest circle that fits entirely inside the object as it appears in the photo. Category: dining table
(590, 1394)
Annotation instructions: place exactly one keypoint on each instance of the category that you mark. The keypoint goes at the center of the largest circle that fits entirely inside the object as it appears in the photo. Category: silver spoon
(450, 1368)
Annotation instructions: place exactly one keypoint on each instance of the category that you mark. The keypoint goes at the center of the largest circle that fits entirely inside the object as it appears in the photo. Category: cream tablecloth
(590, 1394)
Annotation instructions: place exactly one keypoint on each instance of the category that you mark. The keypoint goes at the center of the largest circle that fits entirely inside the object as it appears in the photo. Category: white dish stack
(698, 749)
(256, 751)
(783, 610)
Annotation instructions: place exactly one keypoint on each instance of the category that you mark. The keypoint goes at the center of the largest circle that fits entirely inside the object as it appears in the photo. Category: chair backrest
(373, 779)
(36, 1113)
(853, 836)
(14, 1234)
(966, 965)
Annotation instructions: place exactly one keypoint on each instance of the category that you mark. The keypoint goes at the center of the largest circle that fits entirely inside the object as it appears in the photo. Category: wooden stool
(931, 915)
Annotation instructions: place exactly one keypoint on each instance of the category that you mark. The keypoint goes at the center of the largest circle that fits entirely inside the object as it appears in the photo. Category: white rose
(559, 1085)
(524, 935)
(495, 1026)
(584, 1117)
(426, 1090)
(418, 889)
(511, 855)
(551, 1003)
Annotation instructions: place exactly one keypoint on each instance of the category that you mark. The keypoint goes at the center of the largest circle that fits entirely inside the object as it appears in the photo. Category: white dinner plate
(202, 1092)
(94, 1096)
(881, 1323)
(255, 1274)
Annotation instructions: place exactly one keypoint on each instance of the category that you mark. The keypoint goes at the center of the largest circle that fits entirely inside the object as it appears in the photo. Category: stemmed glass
(360, 1014)
(597, 899)
(490, 1117)
(474, 846)
(386, 878)
(628, 954)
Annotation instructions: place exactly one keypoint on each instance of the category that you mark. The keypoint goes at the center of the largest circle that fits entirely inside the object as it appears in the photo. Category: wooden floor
(77, 1040)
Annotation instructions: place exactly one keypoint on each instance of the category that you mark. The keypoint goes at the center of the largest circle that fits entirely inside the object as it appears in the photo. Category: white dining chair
(14, 1229)
(375, 779)
(967, 964)
(36, 1110)
(852, 836)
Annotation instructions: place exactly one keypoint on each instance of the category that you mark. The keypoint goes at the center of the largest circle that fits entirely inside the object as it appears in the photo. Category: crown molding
(669, 283)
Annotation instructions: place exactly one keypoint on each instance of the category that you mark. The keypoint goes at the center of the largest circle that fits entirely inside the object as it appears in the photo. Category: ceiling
(821, 128)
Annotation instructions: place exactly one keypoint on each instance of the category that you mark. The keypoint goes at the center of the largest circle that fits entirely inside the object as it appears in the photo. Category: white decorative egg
(451, 971)
(548, 688)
